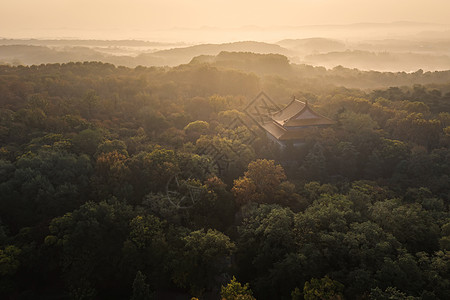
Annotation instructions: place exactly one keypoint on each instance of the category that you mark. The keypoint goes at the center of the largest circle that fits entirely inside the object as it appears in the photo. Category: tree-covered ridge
(108, 189)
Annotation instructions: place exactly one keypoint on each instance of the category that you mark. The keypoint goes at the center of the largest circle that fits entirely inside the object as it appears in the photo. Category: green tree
(386, 157)
(88, 140)
(111, 175)
(314, 166)
(205, 256)
(151, 172)
(141, 290)
(195, 129)
(9, 260)
(445, 239)
(43, 186)
(323, 289)
(234, 290)
(390, 293)
(266, 239)
(89, 244)
(112, 146)
(147, 248)
(409, 223)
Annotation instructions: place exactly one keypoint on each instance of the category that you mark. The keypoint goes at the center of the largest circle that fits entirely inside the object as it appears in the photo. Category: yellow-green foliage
(236, 291)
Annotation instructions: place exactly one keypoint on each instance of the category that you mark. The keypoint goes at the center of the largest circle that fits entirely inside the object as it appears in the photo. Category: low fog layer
(398, 46)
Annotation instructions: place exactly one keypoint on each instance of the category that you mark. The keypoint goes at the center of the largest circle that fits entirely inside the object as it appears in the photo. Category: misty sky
(38, 18)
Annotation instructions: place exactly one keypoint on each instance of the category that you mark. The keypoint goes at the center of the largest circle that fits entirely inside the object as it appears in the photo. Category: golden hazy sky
(41, 16)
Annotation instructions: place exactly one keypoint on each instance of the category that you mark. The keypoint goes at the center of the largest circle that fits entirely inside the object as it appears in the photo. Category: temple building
(292, 123)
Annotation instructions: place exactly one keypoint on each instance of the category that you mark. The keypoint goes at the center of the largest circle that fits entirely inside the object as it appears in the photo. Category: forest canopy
(140, 182)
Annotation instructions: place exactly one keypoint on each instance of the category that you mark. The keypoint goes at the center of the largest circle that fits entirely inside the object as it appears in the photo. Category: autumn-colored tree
(259, 183)
(111, 173)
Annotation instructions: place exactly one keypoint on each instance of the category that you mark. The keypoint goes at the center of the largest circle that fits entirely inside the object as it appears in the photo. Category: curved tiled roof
(289, 111)
(288, 123)
(274, 129)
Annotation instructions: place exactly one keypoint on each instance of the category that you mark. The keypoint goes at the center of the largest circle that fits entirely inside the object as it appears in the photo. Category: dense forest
(120, 183)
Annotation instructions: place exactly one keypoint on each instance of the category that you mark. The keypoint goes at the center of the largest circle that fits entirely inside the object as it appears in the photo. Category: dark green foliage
(389, 293)
(141, 290)
(203, 259)
(87, 141)
(90, 241)
(324, 288)
(9, 262)
(42, 186)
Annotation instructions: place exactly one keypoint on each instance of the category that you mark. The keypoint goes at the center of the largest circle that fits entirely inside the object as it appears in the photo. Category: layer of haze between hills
(426, 50)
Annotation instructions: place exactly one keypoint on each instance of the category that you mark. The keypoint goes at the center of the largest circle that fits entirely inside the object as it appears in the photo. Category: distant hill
(434, 34)
(429, 46)
(380, 55)
(95, 43)
(178, 56)
(33, 54)
(29, 55)
(250, 62)
(302, 74)
(380, 61)
(311, 45)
